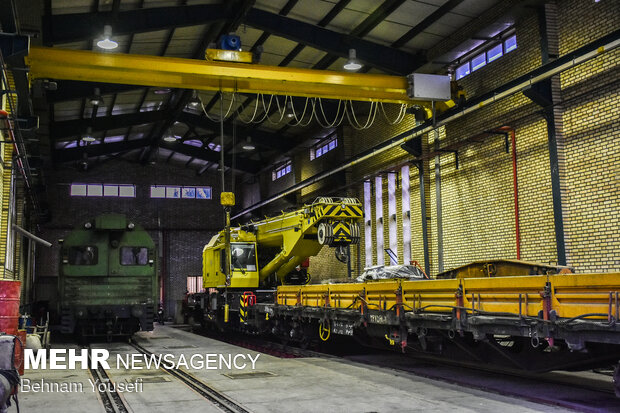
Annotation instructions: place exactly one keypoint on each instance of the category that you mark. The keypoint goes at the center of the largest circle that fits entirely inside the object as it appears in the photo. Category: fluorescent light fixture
(170, 138)
(352, 64)
(107, 43)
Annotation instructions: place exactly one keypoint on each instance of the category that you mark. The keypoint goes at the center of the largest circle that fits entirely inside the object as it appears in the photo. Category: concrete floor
(299, 384)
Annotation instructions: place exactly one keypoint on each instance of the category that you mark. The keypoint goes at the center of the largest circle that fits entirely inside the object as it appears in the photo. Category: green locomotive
(108, 278)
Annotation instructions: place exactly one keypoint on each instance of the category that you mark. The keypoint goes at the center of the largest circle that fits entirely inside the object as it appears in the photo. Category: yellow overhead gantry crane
(142, 70)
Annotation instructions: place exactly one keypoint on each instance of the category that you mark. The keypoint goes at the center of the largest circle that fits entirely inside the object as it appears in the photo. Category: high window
(107, 190)
(181, 192)
(280, 171)
(488, 54)
(322, 148)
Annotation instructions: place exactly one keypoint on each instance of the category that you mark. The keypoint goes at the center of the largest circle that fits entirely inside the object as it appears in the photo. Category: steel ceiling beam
(66, 128)
(65, 28)
(230, 77)
(261, 138)
(106, 149)
(71, 90)
(386, 58)
(205, 154)
(297, 49)
(102, 149)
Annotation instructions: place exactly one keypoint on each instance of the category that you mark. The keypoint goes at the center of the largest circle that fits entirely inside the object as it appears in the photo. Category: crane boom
(276, 246)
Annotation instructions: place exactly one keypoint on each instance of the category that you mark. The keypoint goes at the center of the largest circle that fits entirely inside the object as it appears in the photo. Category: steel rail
(220, 400)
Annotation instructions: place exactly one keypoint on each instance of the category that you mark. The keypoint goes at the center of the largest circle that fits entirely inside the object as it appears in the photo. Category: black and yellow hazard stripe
(342, 232)
(338, 211)
(243, 311)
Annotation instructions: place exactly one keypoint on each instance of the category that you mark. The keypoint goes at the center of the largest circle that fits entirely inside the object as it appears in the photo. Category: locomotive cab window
(243, 256)
(84, 255)
(134, 256)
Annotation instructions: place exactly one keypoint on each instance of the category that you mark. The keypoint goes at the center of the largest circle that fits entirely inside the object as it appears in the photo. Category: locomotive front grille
(106, 290)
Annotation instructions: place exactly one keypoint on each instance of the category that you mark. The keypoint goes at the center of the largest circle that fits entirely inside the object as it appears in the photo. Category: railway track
(584, 392)
(111, 400)
(219, 399)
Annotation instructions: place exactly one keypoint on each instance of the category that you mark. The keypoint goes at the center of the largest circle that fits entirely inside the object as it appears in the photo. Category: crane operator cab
(243, 264)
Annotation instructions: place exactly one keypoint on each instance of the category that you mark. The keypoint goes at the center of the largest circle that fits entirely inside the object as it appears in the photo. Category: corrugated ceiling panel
(248, 35)
(473, 8)
(310, 55)
(310, 12)
(423, 41)
(451, 21)
(185, 41)
(273, 6)
(149, 43)
(67, 110)
(159, 3)
(81, 45)
(71, 6)
(346, 21)
(278, 46)
(412, 13)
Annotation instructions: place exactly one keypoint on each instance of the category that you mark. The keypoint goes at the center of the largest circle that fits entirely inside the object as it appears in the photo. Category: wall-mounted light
(352, 64)
(248, 145)
(107, 43)
(88, 136)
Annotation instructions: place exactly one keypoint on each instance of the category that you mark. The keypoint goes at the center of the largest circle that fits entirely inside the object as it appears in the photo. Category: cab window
(243, 256)
(134, 255)
(83, 255)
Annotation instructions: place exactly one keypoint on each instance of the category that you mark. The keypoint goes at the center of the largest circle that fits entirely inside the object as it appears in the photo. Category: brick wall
(591, 129)
(478, 211)
(183, 226)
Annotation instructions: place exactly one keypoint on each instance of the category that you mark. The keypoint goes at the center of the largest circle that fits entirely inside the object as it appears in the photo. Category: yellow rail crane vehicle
(271, 252)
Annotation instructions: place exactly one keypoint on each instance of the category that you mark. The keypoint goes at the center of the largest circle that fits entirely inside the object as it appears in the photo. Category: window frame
(323, 147)
(120, 256)
(483, 51)
(166, 191)
(281, 171)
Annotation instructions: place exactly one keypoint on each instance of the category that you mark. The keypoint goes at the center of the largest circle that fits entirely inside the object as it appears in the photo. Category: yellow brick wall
(591, 93)
(5, 188)
(478, 198)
